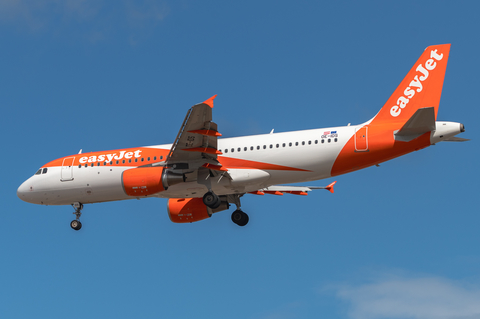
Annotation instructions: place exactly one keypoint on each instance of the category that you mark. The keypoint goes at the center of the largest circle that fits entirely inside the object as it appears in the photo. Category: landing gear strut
(76, 224)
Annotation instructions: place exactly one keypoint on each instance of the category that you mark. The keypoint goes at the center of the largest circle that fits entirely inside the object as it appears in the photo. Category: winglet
(209, 102)
(330, 187)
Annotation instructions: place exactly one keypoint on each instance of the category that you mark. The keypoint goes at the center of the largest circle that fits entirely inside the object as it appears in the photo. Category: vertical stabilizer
(421, 88)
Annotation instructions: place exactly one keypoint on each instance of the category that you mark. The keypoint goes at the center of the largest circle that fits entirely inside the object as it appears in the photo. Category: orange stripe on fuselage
(230, 162)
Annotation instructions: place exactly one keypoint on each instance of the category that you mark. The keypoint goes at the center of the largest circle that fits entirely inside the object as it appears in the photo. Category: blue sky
(395, 241)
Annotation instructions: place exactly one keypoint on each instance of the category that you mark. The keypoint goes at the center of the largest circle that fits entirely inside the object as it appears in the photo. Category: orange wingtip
(257, 193)
(209, 102)
(330, 187)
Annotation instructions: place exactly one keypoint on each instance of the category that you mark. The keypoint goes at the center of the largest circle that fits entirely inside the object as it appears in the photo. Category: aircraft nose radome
(22, 191)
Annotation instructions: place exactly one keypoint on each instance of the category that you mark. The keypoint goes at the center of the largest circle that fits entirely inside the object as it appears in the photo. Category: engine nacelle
(189, 210)
(144, 181)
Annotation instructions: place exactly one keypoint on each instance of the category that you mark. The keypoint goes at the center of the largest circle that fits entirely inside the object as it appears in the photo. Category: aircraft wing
(196, 143)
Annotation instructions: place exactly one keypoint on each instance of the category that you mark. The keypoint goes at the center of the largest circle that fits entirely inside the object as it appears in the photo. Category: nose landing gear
(76, 224)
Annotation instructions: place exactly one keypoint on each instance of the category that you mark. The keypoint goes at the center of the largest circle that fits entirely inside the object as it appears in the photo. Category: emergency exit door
(361, 139)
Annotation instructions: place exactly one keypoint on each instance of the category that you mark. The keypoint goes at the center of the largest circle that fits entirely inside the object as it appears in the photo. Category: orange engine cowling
(144, 181)
(189, 210)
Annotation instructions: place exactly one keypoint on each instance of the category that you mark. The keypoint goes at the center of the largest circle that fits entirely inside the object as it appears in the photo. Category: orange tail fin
(422, 87)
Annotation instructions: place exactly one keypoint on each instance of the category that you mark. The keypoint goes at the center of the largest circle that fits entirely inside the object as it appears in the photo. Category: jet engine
(189, 210)
(144, 181)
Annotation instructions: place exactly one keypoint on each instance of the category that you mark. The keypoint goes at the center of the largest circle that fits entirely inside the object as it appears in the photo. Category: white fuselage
(310, 152)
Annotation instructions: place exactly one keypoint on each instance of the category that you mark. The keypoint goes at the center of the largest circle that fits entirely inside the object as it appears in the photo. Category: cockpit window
(45, 170)
(39, 172)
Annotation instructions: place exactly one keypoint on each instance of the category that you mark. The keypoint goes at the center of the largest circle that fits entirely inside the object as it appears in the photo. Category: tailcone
(446, 130)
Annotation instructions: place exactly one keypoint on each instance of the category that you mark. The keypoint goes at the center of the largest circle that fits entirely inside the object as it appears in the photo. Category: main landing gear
(76, 224)
(240, 218)
(213, 201)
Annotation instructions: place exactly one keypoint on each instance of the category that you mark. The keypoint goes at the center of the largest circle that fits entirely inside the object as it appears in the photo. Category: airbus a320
(202, 174)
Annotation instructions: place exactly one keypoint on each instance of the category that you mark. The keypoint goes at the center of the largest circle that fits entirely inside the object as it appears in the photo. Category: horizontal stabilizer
(456, 139)
(296, 190)
(421, 122)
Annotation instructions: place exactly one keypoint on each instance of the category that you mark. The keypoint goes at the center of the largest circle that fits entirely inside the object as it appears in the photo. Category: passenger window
(148, 159)
(303, 142)
(104, 163)
(251, 148)
(91, 165)
(226, 150)
(271, 145)
(136, 160)
(278, 145)
(80, 166)
(283, 145)
(323, 141)
(117, 162)
(296, 143)
(154, 158)
(245, 148)
(264, 146)
(123, 162)
(329, 140)
(290, 144)
(130, 160)
(111, 162)
(239, 149)
(142, 159)
(258, 147)
(316, 141)
(161, 157)
(233, 150)
(98, 164)
(309, 142)
(336, 139)
(86, 165)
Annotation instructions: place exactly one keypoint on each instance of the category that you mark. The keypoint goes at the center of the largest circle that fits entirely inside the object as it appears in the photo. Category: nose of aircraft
(23, 191)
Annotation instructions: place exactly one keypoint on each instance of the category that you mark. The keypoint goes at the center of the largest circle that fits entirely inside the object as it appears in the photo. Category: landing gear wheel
(76, 224)
(240, 218)
(211, 200)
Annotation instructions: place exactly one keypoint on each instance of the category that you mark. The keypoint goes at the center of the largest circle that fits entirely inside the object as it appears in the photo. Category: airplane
(202, 174)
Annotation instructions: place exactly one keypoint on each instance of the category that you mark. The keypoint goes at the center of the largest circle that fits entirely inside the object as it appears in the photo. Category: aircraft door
(361, 139)
(67, 169)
